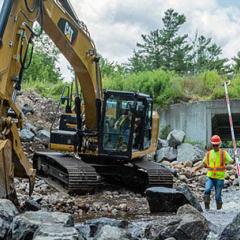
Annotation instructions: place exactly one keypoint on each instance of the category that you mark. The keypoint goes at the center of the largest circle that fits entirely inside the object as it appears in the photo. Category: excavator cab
(126, 124)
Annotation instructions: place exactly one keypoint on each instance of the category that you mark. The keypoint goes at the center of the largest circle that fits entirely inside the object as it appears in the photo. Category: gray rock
(31, 205)
(27, 109)
(95, 225)
(162, 143)
(7, 212)
(43, 135)
(192, 226)
(188, 164)
(199, 152)
(154, 229)
(57, 232)
(188, 209)
(84, 230)
(112, 233)
(187, 152)
(175, 138)
(202, 180)
(182, 178)
(25, 225)
(30, 127)
(166, 153)
(162, 199)
(232, 230)
(190, 197)
(26, 135)
(7, 209)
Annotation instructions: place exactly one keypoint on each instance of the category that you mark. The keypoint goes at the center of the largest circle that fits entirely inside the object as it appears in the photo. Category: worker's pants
(218, 185)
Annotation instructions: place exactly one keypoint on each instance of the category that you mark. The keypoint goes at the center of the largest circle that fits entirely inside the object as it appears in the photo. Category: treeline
(173, 68)
(166, 48)
(166, 64)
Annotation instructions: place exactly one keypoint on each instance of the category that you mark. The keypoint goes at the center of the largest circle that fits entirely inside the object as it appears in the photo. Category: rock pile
(187, 224)
(182, 157)
(38, 113)
(173, 149)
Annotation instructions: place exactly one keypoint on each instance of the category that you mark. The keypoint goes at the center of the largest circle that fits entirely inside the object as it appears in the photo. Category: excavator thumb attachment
(7, 189)
(22, 167)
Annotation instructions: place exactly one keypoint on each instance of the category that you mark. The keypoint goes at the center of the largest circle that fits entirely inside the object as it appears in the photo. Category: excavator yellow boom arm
(71, 36)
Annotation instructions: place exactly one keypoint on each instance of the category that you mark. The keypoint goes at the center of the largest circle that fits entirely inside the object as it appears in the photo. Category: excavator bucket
(7, 189)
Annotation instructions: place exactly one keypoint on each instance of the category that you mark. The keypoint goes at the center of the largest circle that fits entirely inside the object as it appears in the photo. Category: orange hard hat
(215, 140)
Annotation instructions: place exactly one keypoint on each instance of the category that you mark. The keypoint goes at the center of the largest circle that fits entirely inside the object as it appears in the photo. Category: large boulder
(190, 197)
(190, 225)
(7, 212)
(26, 135)
(108, 232)
(162, 199)
(56, 232)
(175, 138)
(25, 225)
(166, 153)
(188, 152)
(232, 230)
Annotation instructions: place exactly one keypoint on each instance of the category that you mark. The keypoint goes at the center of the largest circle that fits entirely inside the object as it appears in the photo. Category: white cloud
(116, 25)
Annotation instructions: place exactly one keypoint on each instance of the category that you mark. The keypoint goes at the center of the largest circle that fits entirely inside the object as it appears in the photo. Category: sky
(116, 26)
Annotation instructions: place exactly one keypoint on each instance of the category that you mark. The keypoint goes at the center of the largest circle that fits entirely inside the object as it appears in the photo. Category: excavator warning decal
(68, 30)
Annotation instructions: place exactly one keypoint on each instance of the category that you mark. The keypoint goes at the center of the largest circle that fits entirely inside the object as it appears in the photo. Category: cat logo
(68, 30)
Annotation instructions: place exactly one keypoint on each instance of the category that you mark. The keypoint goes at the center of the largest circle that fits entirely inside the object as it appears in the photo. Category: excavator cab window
(126, 123)
(117, 125)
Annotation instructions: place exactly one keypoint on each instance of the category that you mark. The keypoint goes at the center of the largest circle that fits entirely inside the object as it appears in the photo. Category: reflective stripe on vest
(222, 166)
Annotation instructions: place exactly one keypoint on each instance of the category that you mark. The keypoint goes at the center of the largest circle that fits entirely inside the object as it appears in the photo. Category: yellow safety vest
(216, 166)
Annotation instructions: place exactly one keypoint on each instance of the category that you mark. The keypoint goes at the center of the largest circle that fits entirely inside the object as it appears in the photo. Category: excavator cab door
(117, 125)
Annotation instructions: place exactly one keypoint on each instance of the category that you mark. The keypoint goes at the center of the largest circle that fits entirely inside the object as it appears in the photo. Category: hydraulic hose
(6, 9)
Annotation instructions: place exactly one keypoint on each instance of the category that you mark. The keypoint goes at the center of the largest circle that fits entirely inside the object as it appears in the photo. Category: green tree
(236, 64)
(207, 56)
(164, 48)
(109, 69)
(43, 67)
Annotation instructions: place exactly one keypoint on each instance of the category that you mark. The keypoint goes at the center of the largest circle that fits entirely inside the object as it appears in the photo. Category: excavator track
(138, 175)
(74, 174)
(157, 174)
(80, 177)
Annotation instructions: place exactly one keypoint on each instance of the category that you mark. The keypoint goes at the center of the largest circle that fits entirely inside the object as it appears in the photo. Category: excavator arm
(58, 20)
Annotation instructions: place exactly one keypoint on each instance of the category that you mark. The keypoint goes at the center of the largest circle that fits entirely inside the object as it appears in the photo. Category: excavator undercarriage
(78, 176)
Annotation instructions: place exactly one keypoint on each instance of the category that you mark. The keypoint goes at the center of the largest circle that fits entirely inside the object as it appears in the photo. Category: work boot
(207, 201)
(219, 205)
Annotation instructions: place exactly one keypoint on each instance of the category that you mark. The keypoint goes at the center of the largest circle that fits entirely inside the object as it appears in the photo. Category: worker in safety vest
(215, 161)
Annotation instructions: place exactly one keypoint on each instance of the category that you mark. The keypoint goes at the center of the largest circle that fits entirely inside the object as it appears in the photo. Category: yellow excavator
(107, 135)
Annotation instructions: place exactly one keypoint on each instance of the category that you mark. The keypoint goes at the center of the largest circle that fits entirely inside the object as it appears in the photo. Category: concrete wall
(195, 118)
